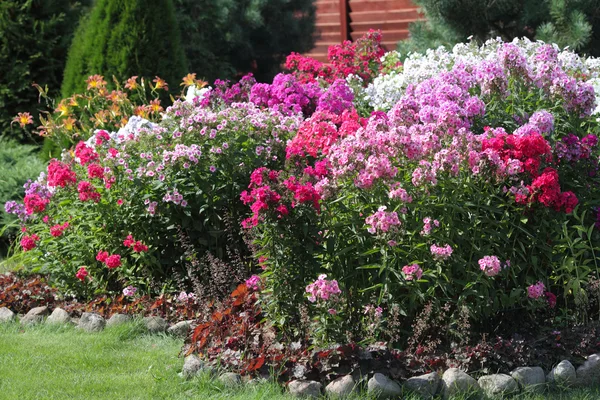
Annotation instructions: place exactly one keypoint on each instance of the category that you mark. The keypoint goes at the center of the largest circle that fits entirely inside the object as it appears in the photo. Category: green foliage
(18, 163)
(569, 27)
(225, 37)
(573, 23)
(34, 39)
(126, 38)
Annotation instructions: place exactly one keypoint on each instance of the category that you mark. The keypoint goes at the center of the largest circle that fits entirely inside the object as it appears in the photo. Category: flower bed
(367, 200)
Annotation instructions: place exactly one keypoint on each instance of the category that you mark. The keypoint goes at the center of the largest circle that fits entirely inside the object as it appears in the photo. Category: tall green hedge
(34, 39)
(123, 38)
(223, 38)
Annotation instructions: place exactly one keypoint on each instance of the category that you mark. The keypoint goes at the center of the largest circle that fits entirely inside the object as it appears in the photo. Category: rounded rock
(230, 379)
(341, 387)
(155, 324)
(563, 374)
(426, 386)
(455, 382)
(35, 315)
(383, 387)
(531, 379)
(180, 329)
(305, 389)
(59, 316)
(6, 315)
(498, 385)
(118, 319)
(192, 366)
(589, 373)
(91, 322)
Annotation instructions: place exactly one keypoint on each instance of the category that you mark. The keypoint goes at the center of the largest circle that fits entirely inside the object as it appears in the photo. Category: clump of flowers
(253, 282)
(129, 291)
(382, 221)
(29, 242)
(412, 272)
(536, 290)
(323, 289)
(441, 253)
(490, 265)
(82, 273)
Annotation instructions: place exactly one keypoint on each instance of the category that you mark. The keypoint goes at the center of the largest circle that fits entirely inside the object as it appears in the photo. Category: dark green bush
(34, 40)
(573, 23)
(225, 37)
(125, 38)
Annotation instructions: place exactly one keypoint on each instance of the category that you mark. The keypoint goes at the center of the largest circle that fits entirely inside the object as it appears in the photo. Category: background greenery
(573, 23)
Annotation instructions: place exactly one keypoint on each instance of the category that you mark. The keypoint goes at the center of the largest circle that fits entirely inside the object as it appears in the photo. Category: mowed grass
(61, 362)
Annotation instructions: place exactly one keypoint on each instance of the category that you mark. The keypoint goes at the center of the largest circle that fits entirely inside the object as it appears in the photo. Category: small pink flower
(129, 291)
(536, 291)
(490, 265)
(253, 282)
(412, 272)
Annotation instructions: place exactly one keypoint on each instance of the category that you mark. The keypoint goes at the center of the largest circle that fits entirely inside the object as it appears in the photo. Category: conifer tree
(123, 38)
(573, 23)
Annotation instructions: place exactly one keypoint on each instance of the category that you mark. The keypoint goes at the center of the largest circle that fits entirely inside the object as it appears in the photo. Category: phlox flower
(323, 289)
(129, 291)
(253, 282)
(113, 261)
(536, 291)
(441, 253)
(490, 265)
(28, 242)
(81, 274)
(412, 272)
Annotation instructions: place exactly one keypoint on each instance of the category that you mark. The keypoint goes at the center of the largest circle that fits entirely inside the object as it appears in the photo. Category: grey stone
(455, 381)
(155, 324)
(589, 373)
(91, 322)
(563, 374)
(383, 387)
(118, 319)
(192, 366)
(498, 385)
(180, 329)
(305, 389)
(6, 315)
(230, 379)
(341, 387)
(59, 316)
(35, 315)
(531, 379)
(425, 386)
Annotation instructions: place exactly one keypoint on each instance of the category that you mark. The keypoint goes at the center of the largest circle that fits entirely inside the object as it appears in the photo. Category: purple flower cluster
(287, 94)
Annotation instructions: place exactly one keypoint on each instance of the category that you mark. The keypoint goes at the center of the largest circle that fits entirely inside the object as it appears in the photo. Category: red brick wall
(391, 16)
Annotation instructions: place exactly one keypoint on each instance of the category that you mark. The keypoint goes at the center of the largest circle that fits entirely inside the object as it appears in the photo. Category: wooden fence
(339, 20)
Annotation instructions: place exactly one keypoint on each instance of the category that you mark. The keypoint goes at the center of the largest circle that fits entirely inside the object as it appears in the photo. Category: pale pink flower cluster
(490, 265)
(396, 192)
(428, 225)
(441, 253)
(536, 291)
(183, 296)
(412, 272)
(377, 311)
(382, 220)
(129, 291)
(253, 282)
(322, 289)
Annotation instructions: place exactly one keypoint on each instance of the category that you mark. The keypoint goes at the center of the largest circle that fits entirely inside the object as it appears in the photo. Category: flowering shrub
(464, 191)
(121, 204)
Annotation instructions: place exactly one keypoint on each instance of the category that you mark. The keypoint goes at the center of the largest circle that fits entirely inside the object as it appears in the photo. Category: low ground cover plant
(362, 201)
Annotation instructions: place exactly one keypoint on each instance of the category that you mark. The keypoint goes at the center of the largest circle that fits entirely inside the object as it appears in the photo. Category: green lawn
(58, 362)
